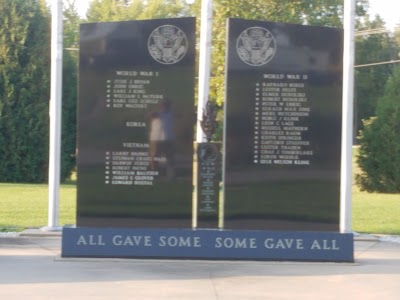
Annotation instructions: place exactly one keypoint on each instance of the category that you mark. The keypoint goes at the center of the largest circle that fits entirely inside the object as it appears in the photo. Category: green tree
(379, 156)
(370, 80)
(24, 91)
(69, 104)
(120, 10)
(157, 9)
(70, 25)
(69, 93)
(397, 36)
(109, 10)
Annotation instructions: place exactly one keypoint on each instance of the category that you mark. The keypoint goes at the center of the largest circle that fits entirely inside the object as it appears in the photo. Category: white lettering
(324, 245)
(134, 240)
(315, 245)
(96, 240)
(81, 240)
(236, 243)
(283, 243)
(180, 241)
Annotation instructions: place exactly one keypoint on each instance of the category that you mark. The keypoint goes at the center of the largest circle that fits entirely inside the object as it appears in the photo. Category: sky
(388, 9)
(82, 6)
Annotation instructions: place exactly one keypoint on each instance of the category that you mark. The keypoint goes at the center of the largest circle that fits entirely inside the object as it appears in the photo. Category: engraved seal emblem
(256, 46)
(208, 152)
(167, 44)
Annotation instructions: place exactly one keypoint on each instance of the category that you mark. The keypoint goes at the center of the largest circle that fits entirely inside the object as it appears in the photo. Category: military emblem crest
(167, 44)
(256, 46)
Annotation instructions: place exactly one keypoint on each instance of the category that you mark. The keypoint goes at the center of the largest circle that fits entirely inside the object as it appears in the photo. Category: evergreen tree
(69, 104)
(24, 91)
(379, 156)
(69, 93)
(70, 25)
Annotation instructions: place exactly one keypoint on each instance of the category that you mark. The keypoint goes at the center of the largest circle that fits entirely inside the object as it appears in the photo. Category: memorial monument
(281, 148)
(136, 117)
(283, 126)
(208, 173)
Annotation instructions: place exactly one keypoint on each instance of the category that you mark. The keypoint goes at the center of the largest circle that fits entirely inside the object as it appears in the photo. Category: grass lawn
(25, 206)
(376, 213)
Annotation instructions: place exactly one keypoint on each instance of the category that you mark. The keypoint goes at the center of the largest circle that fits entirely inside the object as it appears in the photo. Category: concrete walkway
(31, 268)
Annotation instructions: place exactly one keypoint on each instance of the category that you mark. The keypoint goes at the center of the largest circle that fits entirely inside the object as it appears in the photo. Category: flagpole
(55, 115)
(347, 119)
(204, 63)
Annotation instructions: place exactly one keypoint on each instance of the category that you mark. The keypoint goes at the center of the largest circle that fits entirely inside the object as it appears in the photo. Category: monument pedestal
(207, 244)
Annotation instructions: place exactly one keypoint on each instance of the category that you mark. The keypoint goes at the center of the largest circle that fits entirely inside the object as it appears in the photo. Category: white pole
(204, 63)
(347, 119)
(55, 113)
